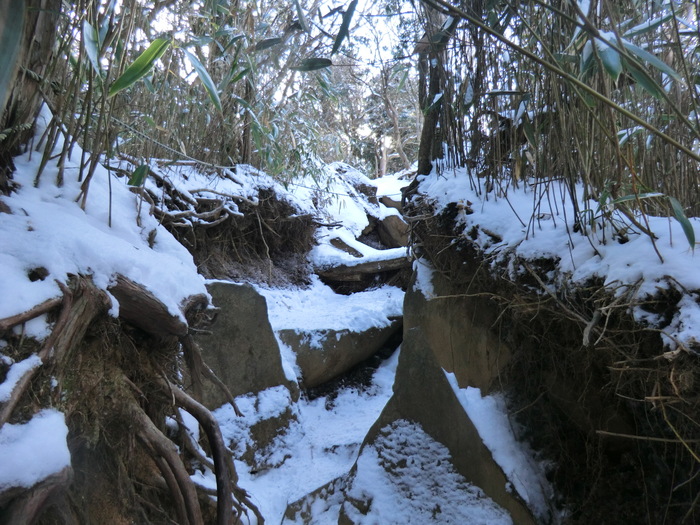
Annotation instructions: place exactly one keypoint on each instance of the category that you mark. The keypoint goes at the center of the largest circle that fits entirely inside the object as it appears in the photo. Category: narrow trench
(359, 376)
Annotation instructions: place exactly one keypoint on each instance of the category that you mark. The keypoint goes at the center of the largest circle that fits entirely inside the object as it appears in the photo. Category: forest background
(595, 92)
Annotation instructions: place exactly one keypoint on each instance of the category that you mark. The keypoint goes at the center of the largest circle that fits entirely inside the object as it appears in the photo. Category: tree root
(198, 369)
(33, 313)
(32, 502)
(169, 463)
(81, 305)
(225, 477)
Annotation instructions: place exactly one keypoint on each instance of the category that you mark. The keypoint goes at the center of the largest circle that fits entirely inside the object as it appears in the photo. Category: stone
(458, 330)
(393, 231)
(325, 354)
(391, 203)
(422, 394)
(240, 347)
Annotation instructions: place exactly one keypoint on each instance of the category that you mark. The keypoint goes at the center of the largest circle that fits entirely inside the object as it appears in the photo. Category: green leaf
(638, 196)
(92, 46)
(138, 176)
(610, 58)
(647, 27)
(313, 64)
(587, 61)
(344, 27)
(645, 56)
(645, 81)
(267, 43)
(205, 78)
(240, 75)
(141, 66)
(685, 223)
(529, 132)
(302, 18)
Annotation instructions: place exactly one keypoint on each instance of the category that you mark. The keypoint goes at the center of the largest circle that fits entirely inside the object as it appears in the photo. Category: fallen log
(362, 270)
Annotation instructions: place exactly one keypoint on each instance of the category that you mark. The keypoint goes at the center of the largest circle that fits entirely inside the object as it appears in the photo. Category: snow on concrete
(490, 417)
(408, 478)
(320, 446)
(318, 307)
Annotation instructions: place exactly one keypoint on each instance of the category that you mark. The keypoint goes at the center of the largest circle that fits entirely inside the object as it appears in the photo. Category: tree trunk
(33, 61)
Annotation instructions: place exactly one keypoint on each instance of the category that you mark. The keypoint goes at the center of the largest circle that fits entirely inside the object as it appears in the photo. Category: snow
(320, 445)
(407, 477)
(317, 307)
(34, 450)
(424, 278)
(48, 229)
(390, 185)
(17, 370)
(490, 417)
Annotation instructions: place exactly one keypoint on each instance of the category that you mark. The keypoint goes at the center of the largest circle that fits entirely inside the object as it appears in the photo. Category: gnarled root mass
(117, 383)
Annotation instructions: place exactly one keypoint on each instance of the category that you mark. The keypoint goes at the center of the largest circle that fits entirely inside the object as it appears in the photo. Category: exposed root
(199, 369)
(31, 503)
(182, 489)
(106, 375)
(225, 477)
(40, 309)
(81, 305)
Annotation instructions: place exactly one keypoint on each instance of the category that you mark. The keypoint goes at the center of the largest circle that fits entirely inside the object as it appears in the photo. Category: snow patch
(407, 477)
(34, 450)
(489, 415)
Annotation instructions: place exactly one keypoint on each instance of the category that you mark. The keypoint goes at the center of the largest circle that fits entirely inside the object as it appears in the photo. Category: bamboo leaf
(610, 58)
(205, 78)
(240, 75)
(645, 56)
(141, 66)
(267, 43)
(344, 27)
(313, 64)
(302, 18)
(529, 132)
(138, 176)
(92, 46)
(683, 220)
(647, 27)
(645, 81)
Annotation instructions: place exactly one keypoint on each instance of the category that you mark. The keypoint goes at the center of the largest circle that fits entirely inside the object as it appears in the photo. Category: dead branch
(40, 309)
(80, 307)
(227, 195)
(357, 272)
